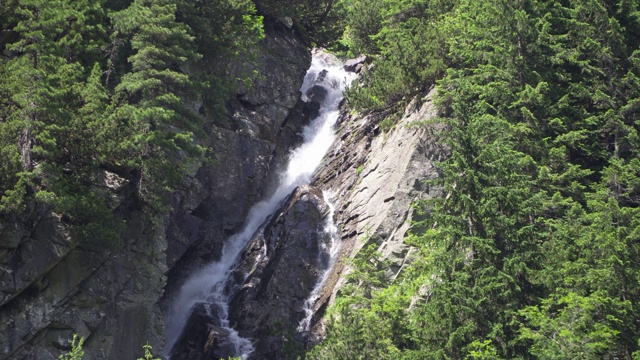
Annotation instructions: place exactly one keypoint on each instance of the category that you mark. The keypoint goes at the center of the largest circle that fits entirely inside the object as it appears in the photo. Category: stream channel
(211, 285)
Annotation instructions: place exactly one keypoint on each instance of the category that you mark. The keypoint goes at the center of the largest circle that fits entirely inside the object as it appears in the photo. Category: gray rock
(355, 65)
(375, 177)
(202, 338)
(283, 59)
(317, 93)
(285, 263)
(11, 234)
(61, 288)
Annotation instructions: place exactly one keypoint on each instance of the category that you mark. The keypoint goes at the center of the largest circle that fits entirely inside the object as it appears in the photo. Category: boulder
(355, 65)
(202, 338)
(317, 93)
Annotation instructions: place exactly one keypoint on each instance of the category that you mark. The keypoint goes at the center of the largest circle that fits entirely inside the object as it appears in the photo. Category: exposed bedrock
(202, 338)
(373, 177)
(283, 263)
(277, 272)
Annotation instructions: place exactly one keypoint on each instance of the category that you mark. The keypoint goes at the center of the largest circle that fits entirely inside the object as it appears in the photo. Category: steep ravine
(290, 246)
(372, 177)
(51, 287)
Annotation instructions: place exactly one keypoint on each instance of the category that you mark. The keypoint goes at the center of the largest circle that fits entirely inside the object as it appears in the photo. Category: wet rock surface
(355, 65)
(213, 203)
(202, 339)
(284, 263)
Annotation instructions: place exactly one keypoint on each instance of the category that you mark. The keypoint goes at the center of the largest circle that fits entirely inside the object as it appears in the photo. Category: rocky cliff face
(373, 178)
(213, 203)
(292, 253)
(52, 287)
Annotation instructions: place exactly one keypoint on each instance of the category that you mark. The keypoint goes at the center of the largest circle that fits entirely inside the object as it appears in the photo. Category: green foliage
(226, 33)
(93, 86)
(148, 355)
(407, 42)
(76, 352)
(566, 328)
(366, 321)
(321, 20)
(532, 252)
(7, 16)
(153, 88)
(44, 136)
(365, 21)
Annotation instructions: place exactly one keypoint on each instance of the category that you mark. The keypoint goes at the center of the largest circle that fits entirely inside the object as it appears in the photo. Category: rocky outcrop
(57, 287)
(374, 176)
(287, 259)
(355, 65)
(277, 273)
(203, 339)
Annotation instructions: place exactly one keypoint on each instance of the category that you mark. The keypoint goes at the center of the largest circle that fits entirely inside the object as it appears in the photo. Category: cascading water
(325, 83)
(332, 249)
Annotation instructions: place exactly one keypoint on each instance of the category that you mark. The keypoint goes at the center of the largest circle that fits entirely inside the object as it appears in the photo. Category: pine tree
(532, 253)
(154, 88)
(54, 37)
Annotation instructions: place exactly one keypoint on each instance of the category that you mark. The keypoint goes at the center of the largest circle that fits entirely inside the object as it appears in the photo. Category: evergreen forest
(93, 84)
(533, 252)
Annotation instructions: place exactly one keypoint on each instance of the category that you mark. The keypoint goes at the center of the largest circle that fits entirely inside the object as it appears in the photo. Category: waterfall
(332, 249)
(323, 82)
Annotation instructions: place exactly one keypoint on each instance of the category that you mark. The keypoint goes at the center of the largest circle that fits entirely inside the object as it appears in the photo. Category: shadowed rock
(287, 262)
(202, 338)
(317, 93)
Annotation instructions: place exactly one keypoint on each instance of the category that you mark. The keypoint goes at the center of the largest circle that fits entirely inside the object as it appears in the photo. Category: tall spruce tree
(55, 38)
(155, 88)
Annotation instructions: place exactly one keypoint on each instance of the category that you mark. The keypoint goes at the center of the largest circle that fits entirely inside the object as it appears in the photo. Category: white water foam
(208, 285)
